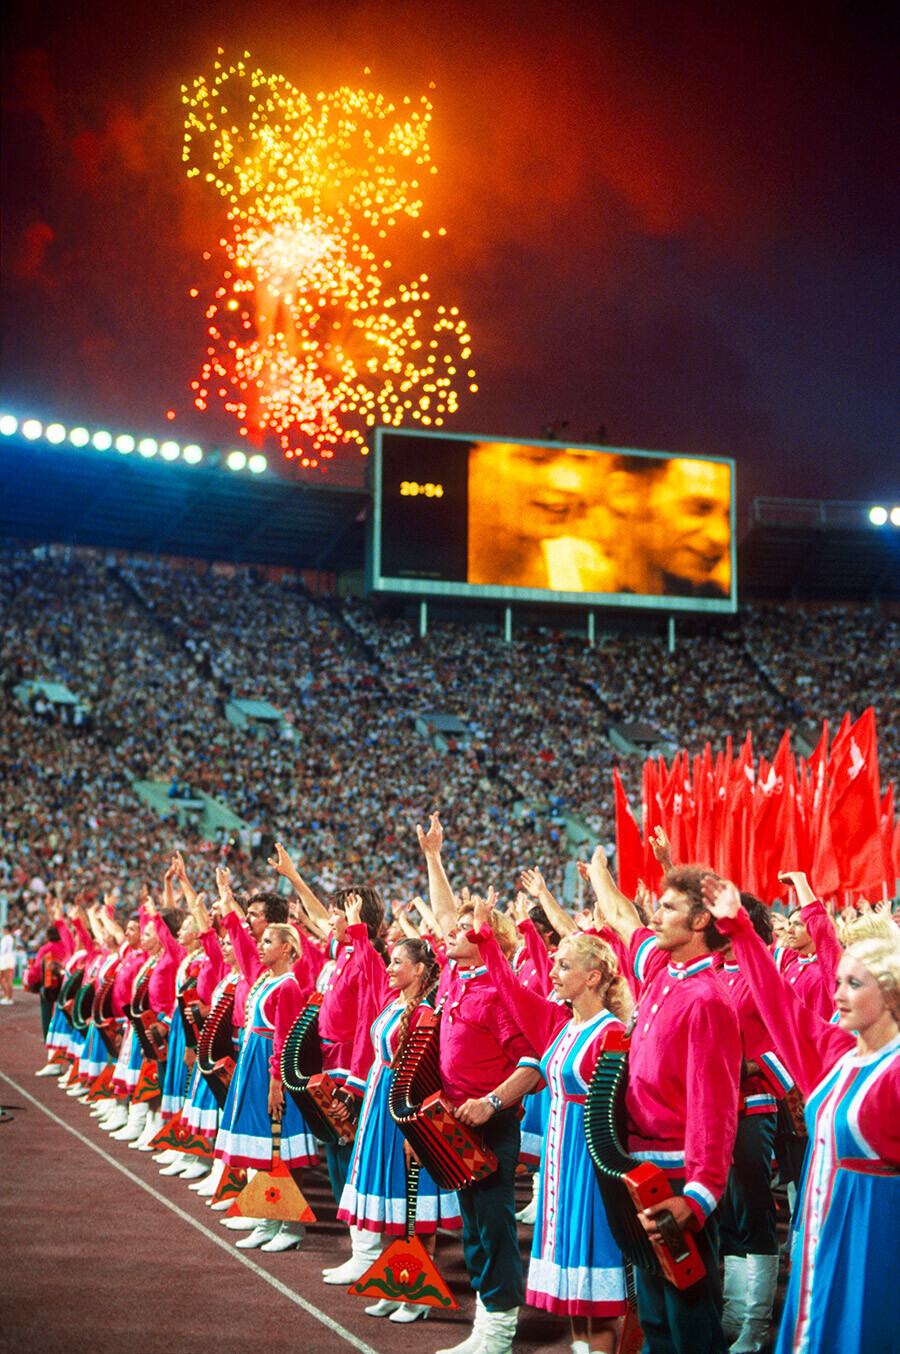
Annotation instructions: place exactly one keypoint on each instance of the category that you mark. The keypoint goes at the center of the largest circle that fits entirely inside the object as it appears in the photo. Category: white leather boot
(761, 1283)
(151, 1128)
(116, 1119)
(734, 1295)
(365, 1248)
(499, 1332)
(473, 1342)
(134, 1125)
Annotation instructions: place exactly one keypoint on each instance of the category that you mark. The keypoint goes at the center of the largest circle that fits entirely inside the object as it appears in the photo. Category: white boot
(101, 1108)
(151, 1128)
(181, 1163)
(265, 1231)
(134, 1125)
(196, 1168)
(116, 1119)
(365, 1250)
(761, 1282)
(407, 1312)
(383, 1307)
(499, 1332)
(528, 1214)
(207, 1188)
(287, 1238)
(473, 1343)
(734, 1295)
(50, 1070)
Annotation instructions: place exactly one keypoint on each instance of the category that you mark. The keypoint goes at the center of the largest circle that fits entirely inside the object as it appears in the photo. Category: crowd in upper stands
(154, 652)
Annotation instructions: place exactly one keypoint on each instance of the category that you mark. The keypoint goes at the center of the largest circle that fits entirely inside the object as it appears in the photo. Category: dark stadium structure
(797, 549)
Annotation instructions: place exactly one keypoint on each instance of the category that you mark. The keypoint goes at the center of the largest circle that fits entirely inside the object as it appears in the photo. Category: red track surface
(101, 1254)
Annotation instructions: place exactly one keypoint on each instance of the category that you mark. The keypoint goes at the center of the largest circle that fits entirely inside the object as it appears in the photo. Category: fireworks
(305, 338)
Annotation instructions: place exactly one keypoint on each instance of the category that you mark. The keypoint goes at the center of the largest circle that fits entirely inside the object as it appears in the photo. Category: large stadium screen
(541, 521)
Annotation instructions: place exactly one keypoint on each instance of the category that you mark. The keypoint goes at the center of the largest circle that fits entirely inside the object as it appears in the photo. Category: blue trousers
(748, 1223)
(488, 1209)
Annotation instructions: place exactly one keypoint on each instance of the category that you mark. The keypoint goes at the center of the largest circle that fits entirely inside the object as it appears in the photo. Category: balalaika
(111, 1030)
(150, 1034)
(627, 1184)
(216, 1051)
(315, 1093)
(451, 1152)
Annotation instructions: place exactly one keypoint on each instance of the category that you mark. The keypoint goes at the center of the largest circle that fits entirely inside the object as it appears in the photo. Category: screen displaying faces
(491, 518)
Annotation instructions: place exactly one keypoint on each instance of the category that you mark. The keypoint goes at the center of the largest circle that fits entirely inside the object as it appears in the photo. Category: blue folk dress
(176, 1077)
(95, 1054)
(841, 1297)
(201, 1109)
(374, 1196)
(245, 1136)
(576, 1268)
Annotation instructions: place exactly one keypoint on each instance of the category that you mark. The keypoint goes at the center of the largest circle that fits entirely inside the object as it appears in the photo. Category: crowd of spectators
(154, 653)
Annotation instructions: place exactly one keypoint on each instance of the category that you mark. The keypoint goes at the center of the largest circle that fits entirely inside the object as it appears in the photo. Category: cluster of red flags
(752, 820)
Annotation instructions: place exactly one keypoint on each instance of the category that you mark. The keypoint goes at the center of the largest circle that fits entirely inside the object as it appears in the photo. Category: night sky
(680, 221)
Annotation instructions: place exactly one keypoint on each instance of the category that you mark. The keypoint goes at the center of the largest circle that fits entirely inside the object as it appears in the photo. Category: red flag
(825, 878)
(629, 848)
(767, 808)
(854, 805)
(887, 838)
(651, 816)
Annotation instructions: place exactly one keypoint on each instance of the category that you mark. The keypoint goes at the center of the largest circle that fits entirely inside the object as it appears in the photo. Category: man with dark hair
(265, 909)
(682, 1099)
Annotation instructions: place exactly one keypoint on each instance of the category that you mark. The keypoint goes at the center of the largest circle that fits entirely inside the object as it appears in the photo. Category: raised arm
(539, 1019)
(440, 893)
(617, 911)
(316, 912)
(557, 916)
(820, 926)
(807, 1045)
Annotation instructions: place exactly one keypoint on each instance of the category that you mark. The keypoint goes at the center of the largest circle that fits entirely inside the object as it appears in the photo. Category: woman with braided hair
(374, 1198)
(576, 1268)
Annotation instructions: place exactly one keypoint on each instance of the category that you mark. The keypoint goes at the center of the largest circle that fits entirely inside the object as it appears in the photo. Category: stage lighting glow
(895, 517)
(102, 441)
(55, 432)
(878, 516)
(147, 447)
(32, 429)
(257, 464)
(9, 426)
(170, 451)
(79, 437)
(125, 443)
(304, 337)
(192, 454)
(236, 460)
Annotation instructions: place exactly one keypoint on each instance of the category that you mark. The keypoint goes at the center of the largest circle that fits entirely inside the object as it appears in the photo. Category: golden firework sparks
(305, 338)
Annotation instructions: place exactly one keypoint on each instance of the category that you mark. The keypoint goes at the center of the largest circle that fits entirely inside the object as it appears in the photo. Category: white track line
(219, 1241)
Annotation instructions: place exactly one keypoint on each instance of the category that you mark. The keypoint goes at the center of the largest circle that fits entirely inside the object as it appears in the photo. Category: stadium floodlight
(192, 454)
(878, 516)
(895, 517)
(102, 441)
(258, 464)
(170, 451)
(79, 437)
(32, 429)
(9, 425)
(148, 447)
(55, 432)
(236, 460)
(125, 443)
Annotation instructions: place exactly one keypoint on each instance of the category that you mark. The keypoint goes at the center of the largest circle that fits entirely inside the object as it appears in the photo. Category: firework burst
(305, 339)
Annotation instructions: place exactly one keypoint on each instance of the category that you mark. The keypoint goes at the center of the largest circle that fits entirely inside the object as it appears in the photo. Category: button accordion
(111, 1030)
(150, 1034)
(451, 1152)
(69, 991)
(216, 1047)
(627, 1184)
(314, 1092)
(191, 1015)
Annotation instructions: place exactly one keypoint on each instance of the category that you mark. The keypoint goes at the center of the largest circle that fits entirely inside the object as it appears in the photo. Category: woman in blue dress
(845, 1259)
(576, 1268)
(373, 1201)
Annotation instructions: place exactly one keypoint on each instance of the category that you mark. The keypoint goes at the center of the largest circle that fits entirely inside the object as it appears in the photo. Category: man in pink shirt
(682, 1098)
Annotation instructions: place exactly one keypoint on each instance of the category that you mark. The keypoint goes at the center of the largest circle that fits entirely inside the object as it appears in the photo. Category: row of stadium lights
(878, 516)
(34, 431)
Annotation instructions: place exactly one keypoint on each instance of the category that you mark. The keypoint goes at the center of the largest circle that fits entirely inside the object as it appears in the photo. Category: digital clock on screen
(412, 489)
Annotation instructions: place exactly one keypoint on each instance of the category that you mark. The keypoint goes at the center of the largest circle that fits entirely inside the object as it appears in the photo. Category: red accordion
(216, 1051)
(450, 1151)
(314, 1092)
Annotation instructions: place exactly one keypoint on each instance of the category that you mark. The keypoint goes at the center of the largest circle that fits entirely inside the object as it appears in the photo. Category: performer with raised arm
(845, 1270)
(682, 1098)
(576, 1267)
(486, 1066)
(374, 1198)
(811, 953)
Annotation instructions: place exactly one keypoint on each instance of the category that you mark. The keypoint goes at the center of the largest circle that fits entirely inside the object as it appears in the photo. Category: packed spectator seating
(154, 652)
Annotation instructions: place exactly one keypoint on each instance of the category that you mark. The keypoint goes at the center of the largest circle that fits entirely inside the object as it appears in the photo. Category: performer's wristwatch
(494, 1101)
